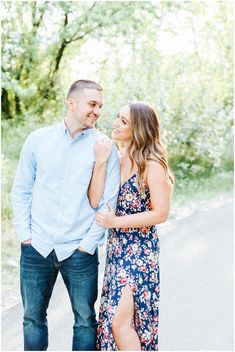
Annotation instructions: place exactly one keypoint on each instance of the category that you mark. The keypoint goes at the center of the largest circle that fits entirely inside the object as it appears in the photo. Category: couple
(64, 195)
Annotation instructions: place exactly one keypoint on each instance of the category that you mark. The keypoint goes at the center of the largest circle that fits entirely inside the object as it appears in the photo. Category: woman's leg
(124, 334)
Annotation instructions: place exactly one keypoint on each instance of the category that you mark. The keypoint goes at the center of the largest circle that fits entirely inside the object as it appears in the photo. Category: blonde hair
(146, 144)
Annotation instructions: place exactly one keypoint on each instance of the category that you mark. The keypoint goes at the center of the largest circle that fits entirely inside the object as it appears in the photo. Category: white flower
(122, 273)
(135, 247)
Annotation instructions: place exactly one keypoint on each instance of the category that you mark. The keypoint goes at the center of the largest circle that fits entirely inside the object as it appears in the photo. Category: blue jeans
(37, 279)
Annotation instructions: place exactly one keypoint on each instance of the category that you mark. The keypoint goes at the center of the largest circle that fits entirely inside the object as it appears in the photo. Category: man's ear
(70, 103)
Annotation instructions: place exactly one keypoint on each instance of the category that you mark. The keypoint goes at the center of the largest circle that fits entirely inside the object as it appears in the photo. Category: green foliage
(13, 138)
(189, 190)
(191, 89)
(178, 56)
(36, 37)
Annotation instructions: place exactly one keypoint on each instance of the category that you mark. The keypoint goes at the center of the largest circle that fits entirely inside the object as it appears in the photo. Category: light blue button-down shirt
(49, 193)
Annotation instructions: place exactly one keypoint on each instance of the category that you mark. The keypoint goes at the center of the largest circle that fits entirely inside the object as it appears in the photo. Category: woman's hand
(102, 150)
(106, 219)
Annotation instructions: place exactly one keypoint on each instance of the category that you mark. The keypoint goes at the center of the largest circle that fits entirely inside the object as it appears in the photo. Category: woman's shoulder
(156, 169)
(153, 163)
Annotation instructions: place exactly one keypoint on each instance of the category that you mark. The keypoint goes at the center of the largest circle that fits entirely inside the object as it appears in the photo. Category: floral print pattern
(132, 259)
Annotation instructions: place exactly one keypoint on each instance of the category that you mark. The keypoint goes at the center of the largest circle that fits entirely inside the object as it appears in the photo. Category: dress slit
(117, 305)
(117, 298)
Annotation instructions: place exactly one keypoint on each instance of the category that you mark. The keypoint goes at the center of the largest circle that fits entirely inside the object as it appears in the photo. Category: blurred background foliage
(176, 55)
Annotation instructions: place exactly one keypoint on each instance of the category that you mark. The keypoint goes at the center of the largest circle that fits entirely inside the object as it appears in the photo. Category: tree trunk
(5, 104)
(59, 56)
(17, 105)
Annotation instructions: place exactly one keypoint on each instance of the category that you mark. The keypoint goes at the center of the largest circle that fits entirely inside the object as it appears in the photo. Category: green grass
(188, 190)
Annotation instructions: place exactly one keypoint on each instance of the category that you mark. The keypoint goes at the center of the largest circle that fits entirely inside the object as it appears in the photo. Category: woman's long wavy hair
(146, 142)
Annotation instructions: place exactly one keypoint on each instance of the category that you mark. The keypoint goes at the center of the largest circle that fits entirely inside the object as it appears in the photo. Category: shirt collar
(65, 131)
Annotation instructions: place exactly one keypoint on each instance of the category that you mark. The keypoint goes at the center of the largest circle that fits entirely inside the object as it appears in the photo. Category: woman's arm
(160, 194)
(96, 188)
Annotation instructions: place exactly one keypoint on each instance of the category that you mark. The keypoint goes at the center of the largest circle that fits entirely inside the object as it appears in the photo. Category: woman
(128, 317)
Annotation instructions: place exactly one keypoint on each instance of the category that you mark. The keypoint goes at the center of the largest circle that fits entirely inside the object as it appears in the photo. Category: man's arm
(22, 191)
(95, 235)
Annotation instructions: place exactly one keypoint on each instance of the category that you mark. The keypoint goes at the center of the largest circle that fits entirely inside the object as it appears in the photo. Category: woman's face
(121, 126)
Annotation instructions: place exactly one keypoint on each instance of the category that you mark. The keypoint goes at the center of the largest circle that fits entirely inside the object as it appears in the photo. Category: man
(54, 220)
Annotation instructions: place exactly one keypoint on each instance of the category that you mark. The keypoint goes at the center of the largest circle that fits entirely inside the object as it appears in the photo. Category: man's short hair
(82, 84)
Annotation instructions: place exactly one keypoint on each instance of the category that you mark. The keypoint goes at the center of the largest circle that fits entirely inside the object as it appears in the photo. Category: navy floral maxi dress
(132, 259)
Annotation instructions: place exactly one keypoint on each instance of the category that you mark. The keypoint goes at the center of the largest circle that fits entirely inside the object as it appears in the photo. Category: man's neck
(74, 129)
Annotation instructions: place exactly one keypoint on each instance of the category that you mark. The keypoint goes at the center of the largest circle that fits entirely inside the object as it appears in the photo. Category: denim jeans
(37, 279)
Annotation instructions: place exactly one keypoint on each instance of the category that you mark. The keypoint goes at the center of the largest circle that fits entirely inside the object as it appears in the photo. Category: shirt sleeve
(22, 191)
(95, 236)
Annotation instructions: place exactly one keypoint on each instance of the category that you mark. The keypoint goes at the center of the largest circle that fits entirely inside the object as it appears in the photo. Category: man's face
(85, 107)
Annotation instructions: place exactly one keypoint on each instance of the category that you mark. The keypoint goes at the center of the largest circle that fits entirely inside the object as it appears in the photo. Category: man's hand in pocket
(81, 250)
(27, 241)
